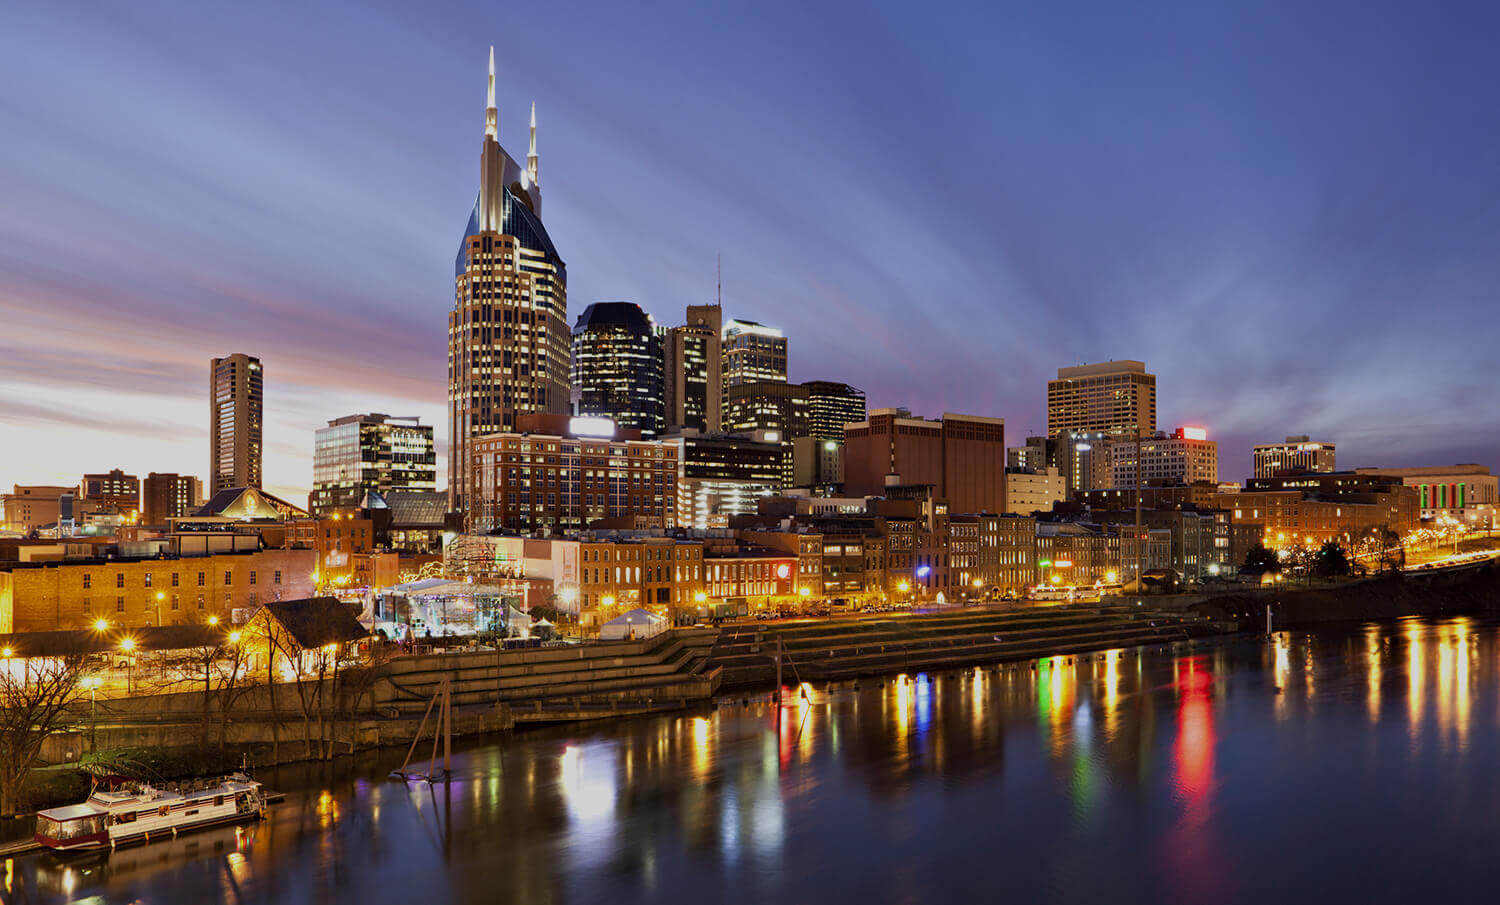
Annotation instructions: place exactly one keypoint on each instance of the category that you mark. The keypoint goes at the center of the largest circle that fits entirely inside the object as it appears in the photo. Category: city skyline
(224, 237)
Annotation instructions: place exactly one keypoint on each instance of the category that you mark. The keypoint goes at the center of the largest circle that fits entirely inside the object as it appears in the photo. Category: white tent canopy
(632, 624)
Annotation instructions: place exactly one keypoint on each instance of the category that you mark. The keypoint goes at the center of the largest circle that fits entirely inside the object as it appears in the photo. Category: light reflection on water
(1171, 774)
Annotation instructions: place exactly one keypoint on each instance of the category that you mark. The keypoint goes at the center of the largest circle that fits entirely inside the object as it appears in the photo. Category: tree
(1260, 556)
(36, 698)
(1331, 561)
(1391, 552)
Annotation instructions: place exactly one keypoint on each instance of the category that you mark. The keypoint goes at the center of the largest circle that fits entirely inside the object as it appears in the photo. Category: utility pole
(1140, 544)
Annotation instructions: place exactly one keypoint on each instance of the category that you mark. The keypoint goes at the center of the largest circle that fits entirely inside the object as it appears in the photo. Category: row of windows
(149, 578)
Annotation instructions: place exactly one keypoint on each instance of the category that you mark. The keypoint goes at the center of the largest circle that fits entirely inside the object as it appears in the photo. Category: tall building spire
(531, 158)
(491, 114)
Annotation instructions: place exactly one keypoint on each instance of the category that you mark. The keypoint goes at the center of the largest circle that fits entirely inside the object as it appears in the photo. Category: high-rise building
(724, 475)
(753, 352)
(1184, 457)
(695, 372)
(165, 495)
(508, 337)
(358, 454)
(1299, 453)
(830, 406)
(112, 491)
(1117, 398)
(236, 388)
(617, 367)
(961, 456)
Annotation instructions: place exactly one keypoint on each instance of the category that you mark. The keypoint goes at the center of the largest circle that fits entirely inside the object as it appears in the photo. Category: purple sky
(1291, 212)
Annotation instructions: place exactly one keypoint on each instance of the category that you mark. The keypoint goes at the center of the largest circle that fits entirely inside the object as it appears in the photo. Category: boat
(138, 811)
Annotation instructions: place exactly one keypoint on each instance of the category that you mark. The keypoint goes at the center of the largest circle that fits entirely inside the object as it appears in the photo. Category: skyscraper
(753, 352)
(1116, 397)
(236, 396)
(1299, 453)
(962, 457)
(830, 406)
(617, 366)
(167, 495)
(357, 454)
(508, 337)
(694, 371)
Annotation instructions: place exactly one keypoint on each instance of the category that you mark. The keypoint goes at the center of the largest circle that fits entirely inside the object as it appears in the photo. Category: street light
(234, 637)
(213, 620)
(92, 683)
(101, 625)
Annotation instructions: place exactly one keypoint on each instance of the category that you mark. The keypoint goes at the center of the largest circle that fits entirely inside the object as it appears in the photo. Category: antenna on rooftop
(719, 290)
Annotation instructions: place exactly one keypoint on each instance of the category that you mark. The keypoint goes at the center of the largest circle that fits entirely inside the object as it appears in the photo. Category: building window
(277, 577)
(200, 601)
(200, 579)
(174, 579)
(175, 603)
(252, 576)
(148, 579)
(119, 579)
(228, 578)
(88, 605)
(88, 580)
(119, 604)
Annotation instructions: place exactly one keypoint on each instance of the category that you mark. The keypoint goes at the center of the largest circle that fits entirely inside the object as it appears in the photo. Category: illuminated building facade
(508, 337)
(560, 474)
(724, 476)
(113, 491)
(1467, 494)
(1296, 454)
(753, 352)
(830, 406)
(617, 367)
(1117, 398)
(1184, 457)
(360, 454)
(695, 372)
(236, 387)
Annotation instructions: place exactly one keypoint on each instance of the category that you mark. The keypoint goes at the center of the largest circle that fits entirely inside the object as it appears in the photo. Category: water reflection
(1126, 775)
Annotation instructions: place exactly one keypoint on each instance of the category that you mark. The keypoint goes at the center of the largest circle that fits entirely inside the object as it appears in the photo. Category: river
(1353, 766)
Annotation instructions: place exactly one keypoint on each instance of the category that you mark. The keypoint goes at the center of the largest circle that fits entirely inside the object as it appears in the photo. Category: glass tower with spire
(508, 336)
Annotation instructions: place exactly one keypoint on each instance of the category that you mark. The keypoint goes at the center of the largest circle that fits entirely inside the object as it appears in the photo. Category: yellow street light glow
(979, 582)
(1057, 579)
(607, 600)
(699, 597)
(213, 620)
(1111, 577)
(804, 592)
(101, 625)
(127, 644)
(161, 595)
(6, 652)
(234, 637)
(903, 587)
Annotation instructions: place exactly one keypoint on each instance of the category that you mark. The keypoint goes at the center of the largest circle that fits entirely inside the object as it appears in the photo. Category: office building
(360, 454)
(166, 495)
(818, 464)
(1300, 453)
(1310, 508)
(724, 476)
(962, 457)
(753, 352)
(560, 474)
(113, 491)
(508, 337)
(236, 387)
(617, 368)
(775, 410)
(830, 406)
(1186, 456)
(694, 389)
(1117, 398)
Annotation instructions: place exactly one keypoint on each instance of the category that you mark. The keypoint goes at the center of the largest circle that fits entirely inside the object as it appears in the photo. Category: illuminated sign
(924, 571)
(591, 427)
(1063, 564)
(1195, 433)
(783, 571)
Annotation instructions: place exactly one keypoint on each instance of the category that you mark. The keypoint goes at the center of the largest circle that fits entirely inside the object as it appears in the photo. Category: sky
(1289, 211)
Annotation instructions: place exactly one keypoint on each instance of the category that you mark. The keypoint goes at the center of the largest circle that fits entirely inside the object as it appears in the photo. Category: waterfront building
(724, 475)
(1461, 494)
(236, 389)
(617, 367)
(1007, 554)
(559, 474)
(753, 352)
(694, 389)
(1184, 457)
(830, 406)
(1300, 453)
(167, 495)
(1069, 553)
(508, 337)
(1315, 507)
(1117, 398)
(159, 589)
(360, 454)
(961, 456)
(113, 491)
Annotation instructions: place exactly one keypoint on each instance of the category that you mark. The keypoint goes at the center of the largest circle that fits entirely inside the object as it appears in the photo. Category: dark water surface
(1161, 775)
